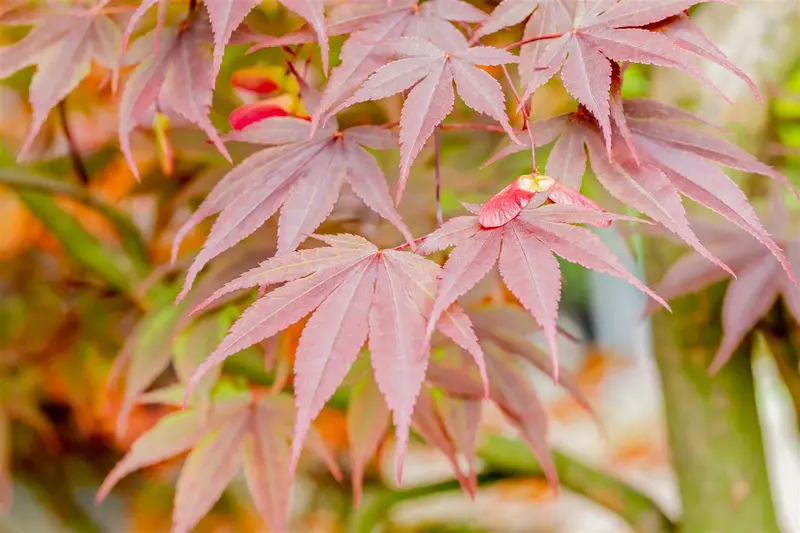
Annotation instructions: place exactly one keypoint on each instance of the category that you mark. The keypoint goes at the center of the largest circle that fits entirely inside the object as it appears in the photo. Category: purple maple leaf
(62, 44)
(761, 280)
(429, 72)
(524, 248)
(217, 451)
(353, 291)
(300, 176)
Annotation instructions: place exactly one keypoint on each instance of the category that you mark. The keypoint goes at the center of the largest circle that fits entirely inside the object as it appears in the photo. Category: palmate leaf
(687, 35)
(429, 72)
(524, 247)
(371, 24)
(666, 155)
(505, 337)
(62, 44)
(761, 280)
(449, 408)
(165, 334)
(175, 79)
(359, 292)
(451, 424)
(226, 16)
(301, 177)
(239, 432)
(584, 40)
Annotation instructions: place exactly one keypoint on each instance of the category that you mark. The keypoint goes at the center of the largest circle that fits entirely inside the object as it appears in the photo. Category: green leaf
(114, 267)
(132, 242)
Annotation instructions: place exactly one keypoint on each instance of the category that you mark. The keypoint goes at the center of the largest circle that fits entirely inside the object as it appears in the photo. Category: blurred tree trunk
(714, 429)
(713, 424)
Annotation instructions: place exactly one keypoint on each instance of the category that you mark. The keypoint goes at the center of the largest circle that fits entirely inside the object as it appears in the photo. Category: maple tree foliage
(355, 291)
(62, 44)
(303, 180)
(241, 432)
(392, 301)
(659, 154)
(523, 247)
(760, 280)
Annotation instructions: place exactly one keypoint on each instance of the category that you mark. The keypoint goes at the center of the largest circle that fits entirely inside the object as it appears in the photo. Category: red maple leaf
(226, 16)
(62, 44)
(176, 79)
(449, 408)
(373, 23)
(353, 291)
(761, 280)
(429, 71)
(524, 247)
(300, 176)
(583, 40)
(662, 154)
(239, 432)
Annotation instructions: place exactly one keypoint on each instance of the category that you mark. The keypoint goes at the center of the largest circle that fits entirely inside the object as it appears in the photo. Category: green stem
(505, 459)
(502, 455)
(377, 505)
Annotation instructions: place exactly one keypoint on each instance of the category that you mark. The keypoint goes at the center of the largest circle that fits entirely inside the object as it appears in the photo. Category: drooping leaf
(762, 278)
(513, 394)
(367, 422)
(62, 45)
(177, 78)
(240, 431)
(266, 468)
(208, 469)
(450, 424)
(172, 435)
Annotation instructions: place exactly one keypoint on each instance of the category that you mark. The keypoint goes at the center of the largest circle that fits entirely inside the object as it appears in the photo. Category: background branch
(74, 154)
(506, 459)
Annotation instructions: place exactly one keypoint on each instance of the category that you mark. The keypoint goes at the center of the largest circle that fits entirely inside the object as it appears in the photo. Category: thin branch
(405, 244)
(439, 216)
(513, 458)
(377, 504)
(74, 154)
(506, 459)
(533, 40)
(473, 127)
(526, 115)
(780, 340)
